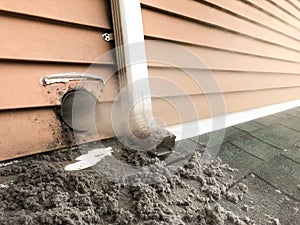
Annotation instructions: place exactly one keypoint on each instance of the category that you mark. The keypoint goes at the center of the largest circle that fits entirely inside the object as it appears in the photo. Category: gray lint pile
(37, 190)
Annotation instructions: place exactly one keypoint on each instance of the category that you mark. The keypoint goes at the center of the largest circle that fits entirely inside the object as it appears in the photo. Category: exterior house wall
(251, 47)
(39, 39)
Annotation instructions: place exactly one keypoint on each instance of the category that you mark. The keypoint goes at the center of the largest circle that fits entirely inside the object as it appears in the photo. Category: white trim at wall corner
(187, 130)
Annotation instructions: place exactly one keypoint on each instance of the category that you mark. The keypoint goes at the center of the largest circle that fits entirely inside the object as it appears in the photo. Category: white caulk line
(90, 159)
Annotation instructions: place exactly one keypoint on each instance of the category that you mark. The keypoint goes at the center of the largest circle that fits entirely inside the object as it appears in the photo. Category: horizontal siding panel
(274, 11)
(92, 12)
(23, 89)
(295, 3)
(172, 111)
(214, 59)
(45, 134)
(34, 40)
(200, 34)
(240, 42)
(176, 82)
(254, 14)
(222, 19)
(40, 38)
(287, 8)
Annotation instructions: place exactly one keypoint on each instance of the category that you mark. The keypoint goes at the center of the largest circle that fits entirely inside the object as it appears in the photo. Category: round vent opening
(78, 110)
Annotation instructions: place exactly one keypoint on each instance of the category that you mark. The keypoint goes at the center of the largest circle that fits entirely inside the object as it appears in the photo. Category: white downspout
(133, 73)
(131, 59)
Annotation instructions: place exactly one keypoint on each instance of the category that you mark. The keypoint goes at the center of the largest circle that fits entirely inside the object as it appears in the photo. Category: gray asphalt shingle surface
(266, 152)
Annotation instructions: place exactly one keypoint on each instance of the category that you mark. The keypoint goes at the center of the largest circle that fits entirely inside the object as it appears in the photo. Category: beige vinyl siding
(294, 3)
(53, 37)
(24, 90)
(171, 109)
(93, 13)
(39, 38)
(30, 39)
(251, 47)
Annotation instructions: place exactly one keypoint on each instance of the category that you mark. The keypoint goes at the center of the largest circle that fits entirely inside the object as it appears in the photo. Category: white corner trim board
(187, 130)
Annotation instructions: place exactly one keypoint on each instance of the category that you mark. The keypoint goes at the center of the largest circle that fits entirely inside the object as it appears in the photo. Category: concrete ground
(266, 152)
